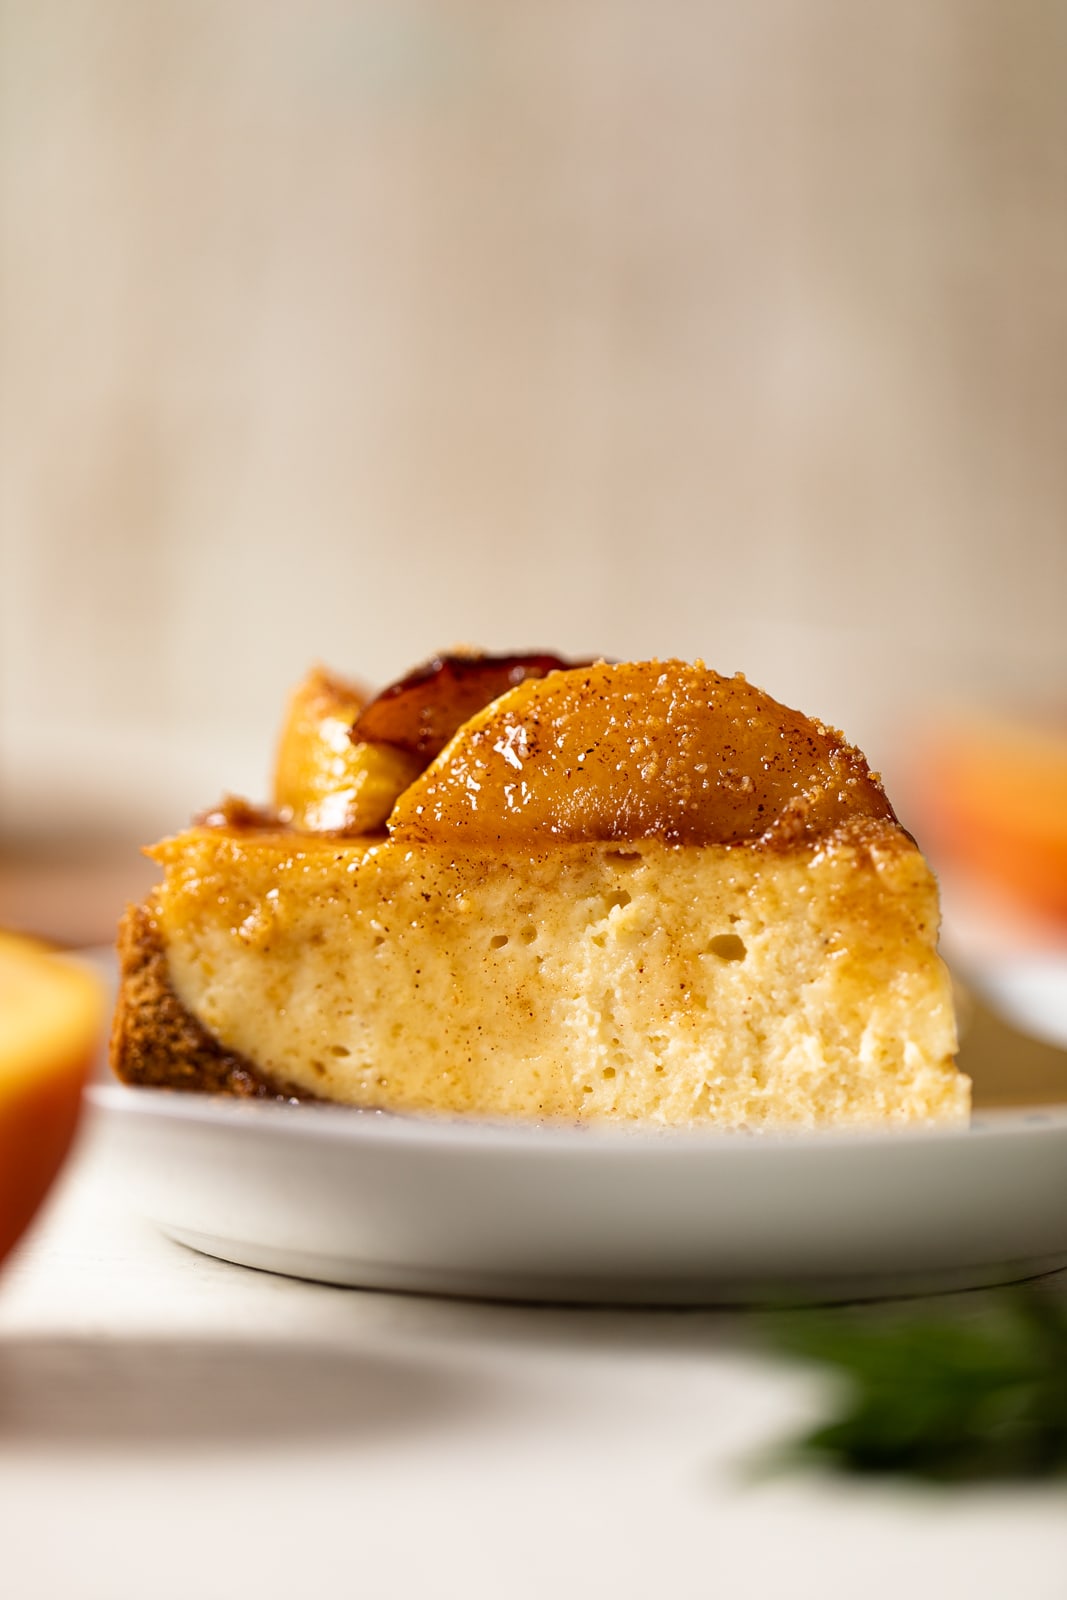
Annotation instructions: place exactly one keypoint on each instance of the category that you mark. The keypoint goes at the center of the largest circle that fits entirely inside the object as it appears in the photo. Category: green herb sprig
(946, 1398)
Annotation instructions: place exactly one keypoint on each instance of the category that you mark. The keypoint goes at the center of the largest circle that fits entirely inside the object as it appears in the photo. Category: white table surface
(174, 1426)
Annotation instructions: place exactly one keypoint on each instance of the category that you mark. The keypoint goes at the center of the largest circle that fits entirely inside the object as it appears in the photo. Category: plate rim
(346, 1124)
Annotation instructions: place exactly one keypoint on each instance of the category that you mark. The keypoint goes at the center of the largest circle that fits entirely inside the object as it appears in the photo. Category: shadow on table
(95, 1392)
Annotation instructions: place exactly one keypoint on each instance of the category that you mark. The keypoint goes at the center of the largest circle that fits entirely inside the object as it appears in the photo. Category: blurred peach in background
(51, 1014)
(345, 332)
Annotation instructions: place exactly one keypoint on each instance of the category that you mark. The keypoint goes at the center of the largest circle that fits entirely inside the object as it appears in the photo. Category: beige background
(352, 330)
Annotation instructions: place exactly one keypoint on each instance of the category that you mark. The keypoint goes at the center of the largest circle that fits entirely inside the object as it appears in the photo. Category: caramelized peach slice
(423, 711)
(635, 750)
(342, 763)
(325, 783)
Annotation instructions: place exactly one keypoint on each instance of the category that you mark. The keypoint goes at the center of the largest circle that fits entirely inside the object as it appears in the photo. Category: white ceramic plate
(513, 1212)
(385, 1202)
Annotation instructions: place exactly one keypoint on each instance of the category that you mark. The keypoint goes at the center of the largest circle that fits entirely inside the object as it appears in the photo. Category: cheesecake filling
(640, 980)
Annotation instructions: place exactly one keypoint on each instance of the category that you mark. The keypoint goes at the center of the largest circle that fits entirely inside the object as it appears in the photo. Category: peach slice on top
(344, 760)
(324, 780)
(635, 750)
(424, 710)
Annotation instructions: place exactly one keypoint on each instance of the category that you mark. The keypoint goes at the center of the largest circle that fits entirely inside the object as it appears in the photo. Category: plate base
(678, 1292)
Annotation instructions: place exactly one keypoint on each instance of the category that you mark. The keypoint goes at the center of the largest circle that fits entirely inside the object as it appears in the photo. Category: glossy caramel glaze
(638, 750)
(240, 815)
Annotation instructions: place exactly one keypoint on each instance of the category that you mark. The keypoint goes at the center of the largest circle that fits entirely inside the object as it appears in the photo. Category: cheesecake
(512, 887)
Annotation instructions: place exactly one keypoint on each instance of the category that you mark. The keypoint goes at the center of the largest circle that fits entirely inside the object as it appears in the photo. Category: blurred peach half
(51, 1013)
(993, 801)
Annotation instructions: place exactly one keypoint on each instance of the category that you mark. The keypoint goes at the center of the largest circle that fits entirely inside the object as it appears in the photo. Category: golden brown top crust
(637, 750)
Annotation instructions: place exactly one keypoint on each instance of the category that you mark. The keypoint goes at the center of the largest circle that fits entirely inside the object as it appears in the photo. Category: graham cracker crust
(156, 1043)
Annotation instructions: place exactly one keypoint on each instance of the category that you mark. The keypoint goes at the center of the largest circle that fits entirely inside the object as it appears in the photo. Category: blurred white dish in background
(1031, 991)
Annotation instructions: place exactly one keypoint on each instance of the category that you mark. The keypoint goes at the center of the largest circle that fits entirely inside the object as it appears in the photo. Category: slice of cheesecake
(640, 892)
